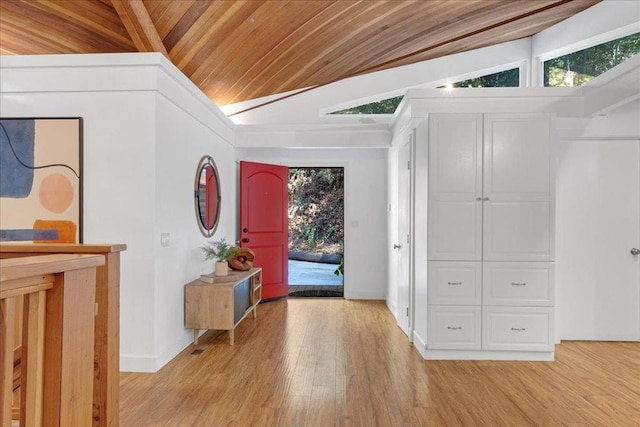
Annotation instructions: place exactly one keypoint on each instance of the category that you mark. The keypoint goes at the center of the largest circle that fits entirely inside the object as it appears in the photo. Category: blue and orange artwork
(17, 141)
(40, 181)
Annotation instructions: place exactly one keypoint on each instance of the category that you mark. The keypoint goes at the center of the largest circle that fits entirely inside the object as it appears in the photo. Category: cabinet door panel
(518, 283)
(455, 283)
(518, 188)
(517, 231)
(455, 185)
(517, 328)
(516, 157)
(455, 231)
(454, 328)
(455, 145)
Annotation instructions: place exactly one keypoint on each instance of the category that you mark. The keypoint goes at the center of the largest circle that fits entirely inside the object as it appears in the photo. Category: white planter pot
(222, 269)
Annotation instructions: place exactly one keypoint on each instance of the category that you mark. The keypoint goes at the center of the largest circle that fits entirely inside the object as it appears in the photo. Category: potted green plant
(221, 251)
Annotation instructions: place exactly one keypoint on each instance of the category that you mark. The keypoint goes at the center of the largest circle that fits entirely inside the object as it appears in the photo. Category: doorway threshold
(317, 291)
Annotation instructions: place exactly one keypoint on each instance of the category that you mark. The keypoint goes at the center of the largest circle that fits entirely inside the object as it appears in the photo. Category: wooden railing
(56, 363)
(106, 366)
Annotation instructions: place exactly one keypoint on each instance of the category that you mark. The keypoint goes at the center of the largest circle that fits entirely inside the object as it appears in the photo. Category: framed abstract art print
(41, 180)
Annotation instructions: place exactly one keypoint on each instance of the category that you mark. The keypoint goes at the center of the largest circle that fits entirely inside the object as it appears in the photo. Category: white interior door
(598, 223)
(404, 238)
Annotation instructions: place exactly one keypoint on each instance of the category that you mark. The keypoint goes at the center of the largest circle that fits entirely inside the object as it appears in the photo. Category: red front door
(264, 228)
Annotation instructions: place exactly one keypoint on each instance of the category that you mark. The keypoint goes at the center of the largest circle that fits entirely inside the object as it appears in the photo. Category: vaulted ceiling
(240, 50)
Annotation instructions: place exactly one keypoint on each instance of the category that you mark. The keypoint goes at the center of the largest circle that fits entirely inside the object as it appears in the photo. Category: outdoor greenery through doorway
(316, 230)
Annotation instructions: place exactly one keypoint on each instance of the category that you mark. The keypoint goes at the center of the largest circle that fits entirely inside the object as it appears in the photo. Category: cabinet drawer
(517, 328)
(454, 283)
(454, 328)
(518, 283)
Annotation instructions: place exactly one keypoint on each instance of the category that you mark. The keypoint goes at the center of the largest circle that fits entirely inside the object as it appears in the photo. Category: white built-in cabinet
(490, 241)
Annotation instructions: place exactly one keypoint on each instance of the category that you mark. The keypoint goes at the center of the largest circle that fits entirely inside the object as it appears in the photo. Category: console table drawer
(454, 328)
(518, 283)
(517, 328)
(454, 283)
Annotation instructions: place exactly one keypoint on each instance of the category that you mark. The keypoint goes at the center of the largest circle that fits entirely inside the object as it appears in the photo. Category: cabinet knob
(635, 251)
(396, 246)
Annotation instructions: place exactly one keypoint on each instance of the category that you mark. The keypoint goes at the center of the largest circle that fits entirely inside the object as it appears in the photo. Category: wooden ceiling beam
(136, 20)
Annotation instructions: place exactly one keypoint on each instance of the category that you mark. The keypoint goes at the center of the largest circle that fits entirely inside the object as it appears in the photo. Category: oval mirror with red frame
(207, 196)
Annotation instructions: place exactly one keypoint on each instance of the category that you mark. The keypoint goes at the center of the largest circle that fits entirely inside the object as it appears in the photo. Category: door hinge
(407, 311)
(409, 165)
(408, 239)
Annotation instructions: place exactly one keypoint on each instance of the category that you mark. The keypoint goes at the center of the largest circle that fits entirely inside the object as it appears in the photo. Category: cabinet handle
(518, 329)
(518, 284)
(485, 198)
(478, 198)
(454, 283)
(454, 328)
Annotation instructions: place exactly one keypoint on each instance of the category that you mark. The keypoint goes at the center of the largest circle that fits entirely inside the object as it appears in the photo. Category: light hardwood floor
(326, 362)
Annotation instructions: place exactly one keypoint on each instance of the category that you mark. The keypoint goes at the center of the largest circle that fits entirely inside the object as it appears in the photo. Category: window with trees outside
(507, 78)
(577, 68)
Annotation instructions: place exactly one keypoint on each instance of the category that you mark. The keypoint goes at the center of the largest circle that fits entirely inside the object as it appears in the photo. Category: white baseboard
(391, 307)
(375, 295)
(172, 351)
(134, 363)
(420, 344)
(152, 363)
(542, 356)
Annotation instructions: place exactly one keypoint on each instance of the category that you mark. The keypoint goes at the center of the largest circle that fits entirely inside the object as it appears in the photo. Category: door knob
(245, 240)
(635, 251)
(396, 246)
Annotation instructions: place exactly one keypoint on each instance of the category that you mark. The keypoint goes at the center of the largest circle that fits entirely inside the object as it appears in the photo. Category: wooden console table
(222, 305)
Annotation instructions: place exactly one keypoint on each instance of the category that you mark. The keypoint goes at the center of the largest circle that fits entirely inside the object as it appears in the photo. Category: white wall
(365, 234)
(145, 128)
(181, 142)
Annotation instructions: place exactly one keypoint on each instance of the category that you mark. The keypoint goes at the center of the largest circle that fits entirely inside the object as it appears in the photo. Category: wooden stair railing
(106, 381)
(56, 363)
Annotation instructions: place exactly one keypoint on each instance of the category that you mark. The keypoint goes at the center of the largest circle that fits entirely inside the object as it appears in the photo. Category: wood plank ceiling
(240, 50)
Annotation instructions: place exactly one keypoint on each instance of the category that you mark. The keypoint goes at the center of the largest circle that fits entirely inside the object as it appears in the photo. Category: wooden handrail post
(57, 377)
(106, 399)
(68, 381)
(7, 332)
(32, 361)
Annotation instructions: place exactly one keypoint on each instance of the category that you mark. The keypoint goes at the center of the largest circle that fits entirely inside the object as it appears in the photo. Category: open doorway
(316, 232)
